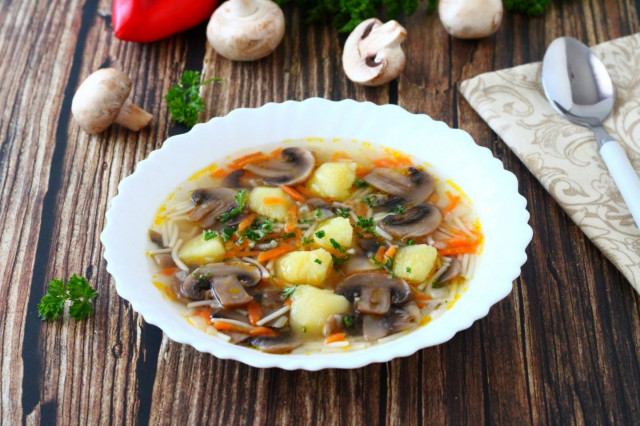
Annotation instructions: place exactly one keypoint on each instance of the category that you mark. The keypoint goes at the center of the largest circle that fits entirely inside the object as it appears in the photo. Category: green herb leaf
(347, 321)
(184, 99)
(336, 245)
(318, 213)
(227, 233)
(288, 292)
(343, 212)
(359, 183)
(241, 199)
(399, 209)
(208, 235)
(410, 242)
(367, 225)
(318, 261)
(338, 262)
(77, 290)
(306, 240)
(304, 328)
(408, 269)
(320, 234)
(52, 303)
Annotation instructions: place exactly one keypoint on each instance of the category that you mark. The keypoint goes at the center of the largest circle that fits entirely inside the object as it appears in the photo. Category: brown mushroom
(234, 180)
(283, 343)
(225, 281)
(102, 100)
(452, 271)
(416, 221)
(373, 53)
(294, 166)
(246, 30)
(211, 203)
(375, 327)
(414, 186)
(230, 292)
(375, 292)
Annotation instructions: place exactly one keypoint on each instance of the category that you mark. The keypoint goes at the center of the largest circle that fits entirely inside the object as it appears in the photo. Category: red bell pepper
(149, 20)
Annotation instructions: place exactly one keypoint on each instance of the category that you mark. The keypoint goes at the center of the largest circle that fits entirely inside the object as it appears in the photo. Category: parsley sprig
(77, 290)
(241, 199)
(184, 98)
(288, 292)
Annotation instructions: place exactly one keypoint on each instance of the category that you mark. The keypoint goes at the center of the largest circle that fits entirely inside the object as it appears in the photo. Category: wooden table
(563, 347)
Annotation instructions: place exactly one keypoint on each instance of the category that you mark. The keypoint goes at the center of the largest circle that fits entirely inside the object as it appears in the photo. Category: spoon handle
(623, 174)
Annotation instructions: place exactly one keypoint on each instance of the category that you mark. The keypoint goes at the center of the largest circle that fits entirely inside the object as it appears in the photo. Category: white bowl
(493, 191)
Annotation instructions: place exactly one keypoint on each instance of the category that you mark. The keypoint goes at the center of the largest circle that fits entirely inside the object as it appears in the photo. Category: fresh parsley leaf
(77, 290)
(306, 240)
(184, 99)
(287, 236)
(343, 212)
(318, 261)
(318, 213)
(241, 199)
(410, 242)
(227, 233)
(386, 265)
(359, 183)
(408, 269)
(336, 245)
(367, 225)
(288, 292)
(320, 234)
(208, 235)
(399, 209)
(371, 200)
(309, 220)
(347, 321)
(304, 328)
(339, 261)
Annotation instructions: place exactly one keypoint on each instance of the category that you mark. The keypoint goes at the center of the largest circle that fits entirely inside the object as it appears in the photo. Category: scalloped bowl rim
(492, 189)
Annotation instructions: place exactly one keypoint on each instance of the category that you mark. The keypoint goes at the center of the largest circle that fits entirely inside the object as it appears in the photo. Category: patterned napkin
(564, 156)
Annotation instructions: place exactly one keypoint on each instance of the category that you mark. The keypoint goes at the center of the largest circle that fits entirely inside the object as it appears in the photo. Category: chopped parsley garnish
(386, 265)
(77, 290)
(208, 235)
(367, 225)
(371, 200)
(318, 261)
(320, 234)
(184, 99)
(227, 233)
(336, 245)
(287, 236)
(410, 242)
(304, 328)
(288, 292)
(347, 321)
(306, 240)
(202, 278)
(241, 199)
(343, 212)
(309, 220)
(318, 213)
(399, 209)
(408, 269)
(360, 183)
(339, 261)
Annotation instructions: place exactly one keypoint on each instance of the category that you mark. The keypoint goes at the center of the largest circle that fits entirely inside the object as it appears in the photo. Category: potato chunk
(310, 308)
(272, 209)
(197, 251)
(304, 267)
(414, 263)
(338, 228)
(333, 180)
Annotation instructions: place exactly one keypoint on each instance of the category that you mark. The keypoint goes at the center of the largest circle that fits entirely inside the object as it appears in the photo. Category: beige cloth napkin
(564, 156)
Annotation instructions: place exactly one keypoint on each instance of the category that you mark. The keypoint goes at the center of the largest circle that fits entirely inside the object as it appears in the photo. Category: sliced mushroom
(211, 203)
(281, 344)
(417, 221)
(294, 166)
(156, 238)
(164, 260)
(236, 337)
(414, 186)
(452, 271)
(197, 284)
(233, 180)
(376, 292)
(320, 204)
(374, 327)
(359, 264)
(333, 325)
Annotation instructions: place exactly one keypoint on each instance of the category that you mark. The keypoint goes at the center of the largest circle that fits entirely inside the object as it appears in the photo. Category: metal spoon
(579, 87)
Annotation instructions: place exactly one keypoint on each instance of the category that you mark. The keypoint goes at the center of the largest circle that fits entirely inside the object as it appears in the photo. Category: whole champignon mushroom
(416, 221)
(376, 292)
(413, 186)
(210, 203)
(468, 19)
(102, 99)
(373, 53)
(294, 166)
(246, 30)
(227, 280)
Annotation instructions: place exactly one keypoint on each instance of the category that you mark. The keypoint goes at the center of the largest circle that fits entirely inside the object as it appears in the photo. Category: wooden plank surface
(564, 347)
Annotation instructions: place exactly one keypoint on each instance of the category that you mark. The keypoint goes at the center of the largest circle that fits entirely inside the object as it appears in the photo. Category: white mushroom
(373, 53)
(102, 99)
(470, 18)
(246, 30)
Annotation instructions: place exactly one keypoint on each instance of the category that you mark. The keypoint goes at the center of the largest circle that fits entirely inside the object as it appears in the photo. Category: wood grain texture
(564, 347)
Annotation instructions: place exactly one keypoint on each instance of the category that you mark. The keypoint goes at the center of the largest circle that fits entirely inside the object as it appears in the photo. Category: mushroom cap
(376, 291)
(469, 19)
(373, 53)
(99, 99)
(246, 30)
(413, 187)
(294, 166)
(210, 203)
(417, 221)
(221, 277)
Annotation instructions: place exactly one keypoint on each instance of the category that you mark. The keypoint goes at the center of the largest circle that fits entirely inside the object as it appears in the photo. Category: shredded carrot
(339, 155)
(274, 253)
(434, 198)
(304, 191)
(293, 193)
(220, 173)
(254, 311)
(459, 242)
(276, 152)
(247, 253)
(246, 222)
(274, 200)
(205, 314)
(391, 251)
(380, 254)
(263, 331)
(363, 171)
(335, 337)
(237, 249)
(455, 199)
(421, 304)
(225, 326)
(247, 157)
(168, 271)
(458, 250)
(288, 301)
(292, 218)
(171, 294)
(422, 296)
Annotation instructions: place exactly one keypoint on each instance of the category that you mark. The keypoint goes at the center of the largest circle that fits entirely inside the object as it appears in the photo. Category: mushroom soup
(313, 247)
